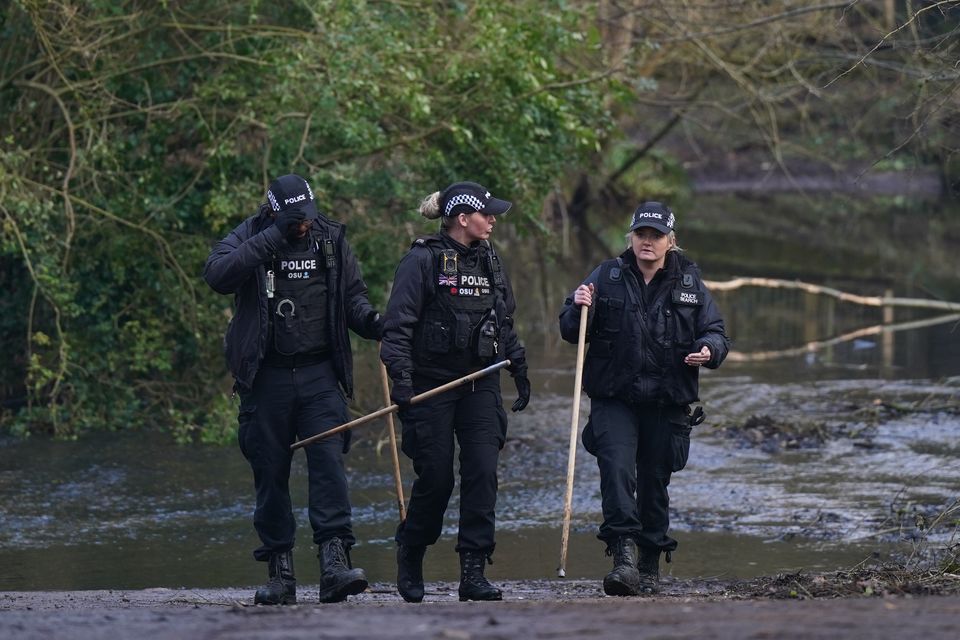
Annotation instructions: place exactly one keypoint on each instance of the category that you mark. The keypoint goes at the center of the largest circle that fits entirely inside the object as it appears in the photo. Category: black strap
(500, 286)
(323, 245)
(493, 264)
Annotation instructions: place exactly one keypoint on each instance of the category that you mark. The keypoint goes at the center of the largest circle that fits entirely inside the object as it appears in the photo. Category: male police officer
(297, 288)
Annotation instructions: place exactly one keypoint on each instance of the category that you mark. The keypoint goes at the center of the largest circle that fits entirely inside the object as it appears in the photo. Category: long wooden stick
(572, 452)
(397, 479)
(392, 408)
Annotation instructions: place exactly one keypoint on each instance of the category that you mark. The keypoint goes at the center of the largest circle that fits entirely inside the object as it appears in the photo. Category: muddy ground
(791, 606)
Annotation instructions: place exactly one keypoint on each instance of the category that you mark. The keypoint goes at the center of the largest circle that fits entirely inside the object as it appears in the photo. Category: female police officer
(651, 325)
(449, 314)
(298, 288)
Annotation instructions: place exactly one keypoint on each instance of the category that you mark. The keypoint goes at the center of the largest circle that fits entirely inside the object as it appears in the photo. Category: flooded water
(134, 510)
(121, 510)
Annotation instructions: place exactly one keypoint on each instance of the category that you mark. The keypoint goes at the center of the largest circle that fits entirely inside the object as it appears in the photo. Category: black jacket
(637, 346)
(413, 288)
(237, 265)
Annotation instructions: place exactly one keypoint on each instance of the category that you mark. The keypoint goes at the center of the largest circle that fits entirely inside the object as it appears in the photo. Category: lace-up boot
(281, 588)
(410, 572)
(623, 579)
(473, 585)
(337, 578)
(649, 570)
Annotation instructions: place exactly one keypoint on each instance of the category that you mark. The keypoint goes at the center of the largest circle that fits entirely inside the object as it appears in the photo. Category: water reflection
(800, 333)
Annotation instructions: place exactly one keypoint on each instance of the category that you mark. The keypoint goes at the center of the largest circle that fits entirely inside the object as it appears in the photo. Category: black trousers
(633, 444)
(474, 414)
(286, 404)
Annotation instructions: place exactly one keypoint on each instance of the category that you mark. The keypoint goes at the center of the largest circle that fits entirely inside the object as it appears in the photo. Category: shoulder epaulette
(424, 241)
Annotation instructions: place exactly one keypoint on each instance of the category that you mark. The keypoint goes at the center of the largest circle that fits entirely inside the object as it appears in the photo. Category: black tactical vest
(636, 351)
(299, 307)
(460, 327)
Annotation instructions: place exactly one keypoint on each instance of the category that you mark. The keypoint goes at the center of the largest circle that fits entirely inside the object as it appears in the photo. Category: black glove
(523, 393)
(375, 325)
(401, 393)
(288, 222)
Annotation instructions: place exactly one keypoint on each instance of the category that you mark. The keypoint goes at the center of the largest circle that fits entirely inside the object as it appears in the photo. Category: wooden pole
(887, 343)
(392, 408)
(870, 301)
(879, 329)
(397, 478)
(572, 451)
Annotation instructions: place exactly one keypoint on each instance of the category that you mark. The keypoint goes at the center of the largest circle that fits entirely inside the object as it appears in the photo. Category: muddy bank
(838, 460)
(841, 411)
(541, 609)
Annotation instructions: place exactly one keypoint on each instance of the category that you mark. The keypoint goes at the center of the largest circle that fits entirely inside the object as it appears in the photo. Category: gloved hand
(523, 393)
(375, 325)
(288, 222)
(401, 393)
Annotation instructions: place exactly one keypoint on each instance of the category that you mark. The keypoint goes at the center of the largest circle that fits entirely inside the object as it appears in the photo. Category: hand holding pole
(572, 452)
(397, 479)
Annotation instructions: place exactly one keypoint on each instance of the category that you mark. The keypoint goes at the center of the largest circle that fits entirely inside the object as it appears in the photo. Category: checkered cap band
(273, 201)
(464, 198)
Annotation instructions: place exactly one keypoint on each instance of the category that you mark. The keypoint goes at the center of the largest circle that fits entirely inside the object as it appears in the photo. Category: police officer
(651, 325)
(297, 288)
(451, 313)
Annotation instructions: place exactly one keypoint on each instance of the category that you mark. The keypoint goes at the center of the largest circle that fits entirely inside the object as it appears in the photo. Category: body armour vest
(460, 329)
(636, 351)
(300, 307)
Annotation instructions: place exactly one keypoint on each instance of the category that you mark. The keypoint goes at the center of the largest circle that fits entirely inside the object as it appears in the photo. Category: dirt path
(540, 609)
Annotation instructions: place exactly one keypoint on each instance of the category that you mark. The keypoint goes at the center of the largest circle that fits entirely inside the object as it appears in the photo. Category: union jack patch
(448, 281)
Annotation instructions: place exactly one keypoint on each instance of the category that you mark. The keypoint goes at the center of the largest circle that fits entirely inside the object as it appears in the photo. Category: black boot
(624, 579)
(473, 586)
(282, 586)
(337, 578)
(649, 570)
(410, 572)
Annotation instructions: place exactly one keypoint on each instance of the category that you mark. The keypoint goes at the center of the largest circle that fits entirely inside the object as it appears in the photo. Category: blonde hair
(430, 206)
(673, 241)
(430, 209)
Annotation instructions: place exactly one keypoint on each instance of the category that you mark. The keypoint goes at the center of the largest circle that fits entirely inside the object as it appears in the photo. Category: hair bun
(430, 206)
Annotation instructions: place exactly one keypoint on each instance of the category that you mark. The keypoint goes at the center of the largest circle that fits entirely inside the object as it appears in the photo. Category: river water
(135, 510)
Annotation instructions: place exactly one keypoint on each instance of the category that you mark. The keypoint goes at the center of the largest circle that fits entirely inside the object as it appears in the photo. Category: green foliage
(136, 134)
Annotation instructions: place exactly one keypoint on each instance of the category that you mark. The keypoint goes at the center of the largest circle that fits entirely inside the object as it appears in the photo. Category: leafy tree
(137, 133)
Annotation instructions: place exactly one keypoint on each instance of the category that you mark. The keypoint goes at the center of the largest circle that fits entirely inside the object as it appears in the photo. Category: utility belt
(280, 361)
(455, 333)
